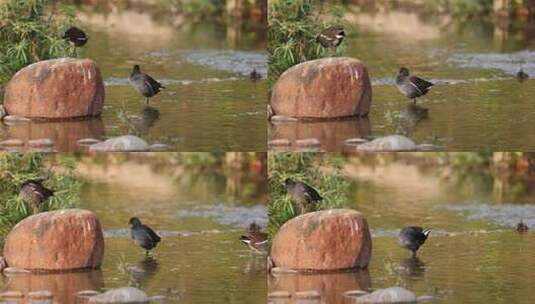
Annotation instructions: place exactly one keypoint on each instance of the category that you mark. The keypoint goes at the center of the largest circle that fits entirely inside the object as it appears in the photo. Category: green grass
(28, 33)
(16, 168)
(321, 171)
(293, 27)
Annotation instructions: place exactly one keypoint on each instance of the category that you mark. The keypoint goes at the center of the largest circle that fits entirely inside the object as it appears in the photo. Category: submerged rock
(323, 88)
(56, 89)
(391, 143)
(283, 119)
(127, 143)
(62, 240)
(337, 239)
(388, 295)
(120, 295)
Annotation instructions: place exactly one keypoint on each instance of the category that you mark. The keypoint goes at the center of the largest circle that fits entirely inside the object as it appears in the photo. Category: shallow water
(200, 258)
(476, 103)
(473, 254)
(209, 104)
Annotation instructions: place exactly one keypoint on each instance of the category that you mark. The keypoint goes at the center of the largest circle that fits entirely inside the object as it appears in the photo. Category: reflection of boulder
(331, 134)
(323, 88)
(63, 286)
(331, 286)
(64, 134)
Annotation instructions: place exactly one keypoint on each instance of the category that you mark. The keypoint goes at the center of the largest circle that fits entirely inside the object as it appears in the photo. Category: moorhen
(144, 84)
(255, 239)
(411, 86)
(34, 193)
(413, 237)
(303, 194)
(254, 75)
(143, 235)
(331, 37)
(76, 36)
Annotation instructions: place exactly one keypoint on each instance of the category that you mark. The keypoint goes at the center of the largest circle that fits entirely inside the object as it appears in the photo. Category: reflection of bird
(143, 235)
(303, 194)
(413, 267)
(413, 237)
(148, 267)
(255, 239)
(149, 116)
(522, 227)
(332, 37)
(34, 193)
(75, 36)
(521, 75)
(411, 86)
(144, 84)
(255, 75)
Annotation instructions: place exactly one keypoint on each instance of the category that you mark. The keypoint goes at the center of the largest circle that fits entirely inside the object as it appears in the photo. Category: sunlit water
(209, 104)
(200, 258)
(476, 103)
(473, 254)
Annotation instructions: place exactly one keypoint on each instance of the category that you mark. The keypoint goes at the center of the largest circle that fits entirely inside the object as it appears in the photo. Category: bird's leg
(414, 101)
(147, 101)
(146, 253)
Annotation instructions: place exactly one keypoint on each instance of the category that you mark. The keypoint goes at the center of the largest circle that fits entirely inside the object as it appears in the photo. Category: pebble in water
(88, 141)
(355, 293)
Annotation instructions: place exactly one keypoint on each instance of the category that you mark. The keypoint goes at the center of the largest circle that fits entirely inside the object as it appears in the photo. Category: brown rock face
(56, 89)
(323, 88)
(328, 240)
(56, 241)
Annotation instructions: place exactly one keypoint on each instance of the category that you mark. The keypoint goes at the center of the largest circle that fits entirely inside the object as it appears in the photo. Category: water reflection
(412, 267)
(144, 271)
(331, 134)
(64, 286)
(331, 286)
(64, 134)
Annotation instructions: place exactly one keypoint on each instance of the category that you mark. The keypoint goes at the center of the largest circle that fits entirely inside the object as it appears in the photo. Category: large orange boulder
(337, 239)
(69, 239)
(56, 89)
(323, 88)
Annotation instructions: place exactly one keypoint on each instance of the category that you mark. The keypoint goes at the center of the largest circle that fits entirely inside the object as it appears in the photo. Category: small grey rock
(388, 295)
(120, 295)
(12, 143)
(14, 270)
(279, 143)
(280, 294)
(392, 143)
(308, 142)
(127, 143)
(159, 147)
(43, 142)
(283, 119)
(42, 294)
(16, 119)
(308, 294)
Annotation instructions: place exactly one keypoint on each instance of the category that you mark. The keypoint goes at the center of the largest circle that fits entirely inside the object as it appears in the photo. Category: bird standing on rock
(411, 86)
(303, 194)
(413, 237)
(76, 36)
(331, 37)
(144, 84)
(34, 193)
(143, 235)
(255, 239)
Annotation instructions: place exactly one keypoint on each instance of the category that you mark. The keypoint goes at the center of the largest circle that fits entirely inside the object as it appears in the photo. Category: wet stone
(16, 119)
(283, 119)
(87, 293)
(11, 294)
(308, 294)
(88, 141)
(279, 143)
(388, 295)
(43, 142)
(122, 143)
(159, 147)
(279, 295)
(355, 293)
(14, 270)
(355, 141)
(12, 143)
(120, 295)
(308, 142)
(43, 294)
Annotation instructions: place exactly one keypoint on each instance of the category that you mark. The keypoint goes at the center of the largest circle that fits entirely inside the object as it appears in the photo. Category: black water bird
(522, 227)
(143, 235)
(254, 75)
(255, 239)
(34, 193)
(411, 86)
(521, 75)
(304, 195)
(76, 36)
(144, 84)
(413, 237)
(331, 37)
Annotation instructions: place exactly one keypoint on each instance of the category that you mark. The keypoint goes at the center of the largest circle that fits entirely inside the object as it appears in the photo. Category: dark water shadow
(145, 271)
(63, 286)
(331, 134)
(412, 267)
(64, 134)
(331, 286)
